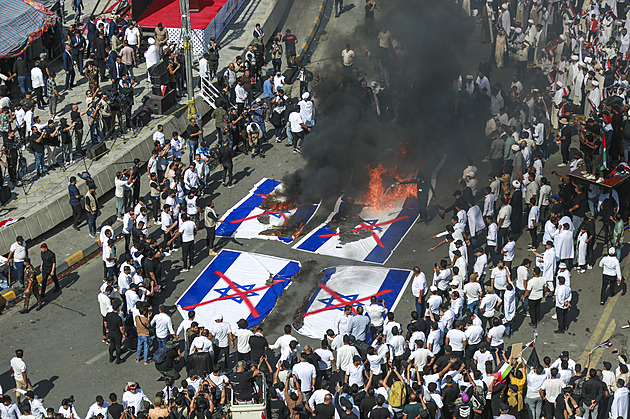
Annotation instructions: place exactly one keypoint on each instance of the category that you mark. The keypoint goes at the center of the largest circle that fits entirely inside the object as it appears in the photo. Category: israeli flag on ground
(387, 228)
(238, 285)
(354, 285)
(241, 221)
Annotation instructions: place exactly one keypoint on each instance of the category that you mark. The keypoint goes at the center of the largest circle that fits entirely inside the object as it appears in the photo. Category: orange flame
(379, 195)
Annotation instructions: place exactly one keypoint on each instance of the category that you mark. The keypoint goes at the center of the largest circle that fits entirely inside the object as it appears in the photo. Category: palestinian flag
(503, 372)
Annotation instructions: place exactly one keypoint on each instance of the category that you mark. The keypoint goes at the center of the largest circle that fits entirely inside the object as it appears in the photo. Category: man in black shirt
(37, 145)
(194, 135)
(594, 392)
(564, 140)
(278, 408)
(241, 383)
(48, 268)
(325, 410)
(167, 366)
(115, 331)
(259, 344)
(379, 412)
(289, 47)
(368, 403)
(578, 209)
(21, 69)
(225, 159)
(115, 409)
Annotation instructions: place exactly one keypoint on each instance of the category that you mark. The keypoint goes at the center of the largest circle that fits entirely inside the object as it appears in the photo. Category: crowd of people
(448, 358)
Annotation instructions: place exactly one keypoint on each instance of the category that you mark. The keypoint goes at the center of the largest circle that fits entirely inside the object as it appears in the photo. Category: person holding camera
(67, 409)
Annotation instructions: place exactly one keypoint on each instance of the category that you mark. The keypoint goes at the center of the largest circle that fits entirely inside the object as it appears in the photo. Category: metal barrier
(209, 93)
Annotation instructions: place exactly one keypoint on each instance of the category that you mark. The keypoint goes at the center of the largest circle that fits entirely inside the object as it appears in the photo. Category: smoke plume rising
(417, 107)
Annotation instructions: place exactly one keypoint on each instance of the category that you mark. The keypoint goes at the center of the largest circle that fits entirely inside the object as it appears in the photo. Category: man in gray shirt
(358, 325)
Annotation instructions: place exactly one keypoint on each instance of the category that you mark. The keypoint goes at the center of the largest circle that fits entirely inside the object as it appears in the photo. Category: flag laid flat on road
(353, 285)
(370, 236)
(244, 219)
(238, 285)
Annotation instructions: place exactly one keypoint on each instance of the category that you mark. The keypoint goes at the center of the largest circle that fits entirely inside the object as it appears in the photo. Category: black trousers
(39, 92)
(76, 215)
(115, 344)
(210, 236)
(562, 317)
(564, 150)
(188, 253)
(502, 237)
(608, 286)
(534, 310)
(533, 233)
(220, 351)
(227, 173)
(45, 274)
(127, 239)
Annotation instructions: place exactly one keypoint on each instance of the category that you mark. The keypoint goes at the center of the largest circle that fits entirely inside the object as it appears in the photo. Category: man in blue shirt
(75, 202)
(258, 116)
(268, 93)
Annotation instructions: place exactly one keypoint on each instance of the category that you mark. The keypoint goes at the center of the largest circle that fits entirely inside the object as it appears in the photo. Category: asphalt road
(62, 343)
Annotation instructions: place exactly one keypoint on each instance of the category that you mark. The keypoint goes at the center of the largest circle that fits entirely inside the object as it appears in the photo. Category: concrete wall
(56, 209)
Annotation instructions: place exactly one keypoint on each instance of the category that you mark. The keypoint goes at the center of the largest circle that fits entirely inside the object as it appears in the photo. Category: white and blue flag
(238, 285)
(354, 285)
(242, 220)
(386, 230)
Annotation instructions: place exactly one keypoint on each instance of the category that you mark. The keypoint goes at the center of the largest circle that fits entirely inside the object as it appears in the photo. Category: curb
(301, 56)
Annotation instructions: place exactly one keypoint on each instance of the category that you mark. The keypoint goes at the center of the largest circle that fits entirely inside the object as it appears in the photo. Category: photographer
(37, 146)
(66, 140)
(241, 383)
(159, 409)
(116, 106)
(10, 153)
(126, 96)
(52, 143)
(105, 106)
(167, 365)
(213, 60)
(92, 111)
(201, 406)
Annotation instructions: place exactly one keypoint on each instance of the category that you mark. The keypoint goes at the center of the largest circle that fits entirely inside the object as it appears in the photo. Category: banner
(237, 285)
(354, 285)
(369, 236)
(243, 220)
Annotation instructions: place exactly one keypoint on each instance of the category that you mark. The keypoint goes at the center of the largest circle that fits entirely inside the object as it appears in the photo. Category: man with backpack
(165, 359)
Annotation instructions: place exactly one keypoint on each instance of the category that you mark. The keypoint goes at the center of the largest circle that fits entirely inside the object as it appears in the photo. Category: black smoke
(417, 107)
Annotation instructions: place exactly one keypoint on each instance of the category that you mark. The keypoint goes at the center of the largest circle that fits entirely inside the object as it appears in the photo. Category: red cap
(44, 245)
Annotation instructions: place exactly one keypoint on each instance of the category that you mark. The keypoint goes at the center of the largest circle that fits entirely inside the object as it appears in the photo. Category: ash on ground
(345, 222)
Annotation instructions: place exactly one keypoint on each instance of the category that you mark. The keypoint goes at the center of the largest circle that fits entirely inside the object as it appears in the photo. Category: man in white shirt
(20, 373)
(342, 320)
(37, 408)
(535, 293)
(186, 323)
(98, 408)
(472, 292)
(611, 271)
(307, 373)
(481, 263)
(375, 312)
(499, 278)
(346, 354)
(355, 374)
(202, 343)
(223, 339)
(242, 335)
(457, 339)
(563, 303)
(187, 231)
(8, 409)
(159, 135)
(298, 130)
(163, 327)
(17, 253)
(508, 252)
(419, 289)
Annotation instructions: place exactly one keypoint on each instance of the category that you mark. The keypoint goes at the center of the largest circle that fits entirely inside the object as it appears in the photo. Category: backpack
(160, 355)
(578, 386)
(397, 394)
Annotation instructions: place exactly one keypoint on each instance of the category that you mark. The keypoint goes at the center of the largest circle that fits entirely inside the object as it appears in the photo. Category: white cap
(470, 174)
(563, 37)
(612, 251)
(562, 265)
(151, 41)
(505, 6)
(518, 30)
(469, 77)
(575, 57)
(581, 64)
(595, 83)
(516, 184)
(454, 282)
(306, 95)
(515, 147)
(218, 316)
(531, 21)
(433, 288)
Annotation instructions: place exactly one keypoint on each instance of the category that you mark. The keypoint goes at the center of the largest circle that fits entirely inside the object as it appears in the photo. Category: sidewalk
(72, 248)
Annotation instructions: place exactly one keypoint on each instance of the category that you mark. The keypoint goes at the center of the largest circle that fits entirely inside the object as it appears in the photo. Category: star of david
(227, 290)
(371, 222)
(330, 301)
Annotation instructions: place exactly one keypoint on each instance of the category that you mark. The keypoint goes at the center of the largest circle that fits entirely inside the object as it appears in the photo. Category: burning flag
(265, 213)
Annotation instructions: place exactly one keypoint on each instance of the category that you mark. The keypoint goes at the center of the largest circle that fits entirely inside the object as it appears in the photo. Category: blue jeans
(473, 307)
(162, 342)
(519, 295)
(120, 206)
(39, 162)
(23, 82)
(91, 222)
(289, 135)
(192, 147)
(96, 134)
(577, 222)
(19, 267)
(143, 346)
(420, 306)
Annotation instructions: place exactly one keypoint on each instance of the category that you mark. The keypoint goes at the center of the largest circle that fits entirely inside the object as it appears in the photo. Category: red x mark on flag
(229, 296)
(251, 217)
(342, 302)
(365, 226)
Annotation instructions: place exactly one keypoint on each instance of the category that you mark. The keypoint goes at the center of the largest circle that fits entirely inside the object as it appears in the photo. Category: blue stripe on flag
(395, 281)
(269, 298)
(315, 242)
(328, 273)
(208, 279)
(227, 228)
(394, 233)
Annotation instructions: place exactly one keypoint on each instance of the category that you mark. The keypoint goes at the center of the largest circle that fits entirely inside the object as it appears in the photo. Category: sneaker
(288, 145)
(230, 186)
(555, 317)
(119, 219)
(295, 150)
(212, 253)
(92, 235)
(175, 249)
(158, 222)
(562, 165)
(558, 331)
(278, 141)
(184, 270)
(600, 180)
(167, 253)
(589, 266)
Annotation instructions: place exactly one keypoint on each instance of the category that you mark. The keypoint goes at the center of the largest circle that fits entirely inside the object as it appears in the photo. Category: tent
(21, 23)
